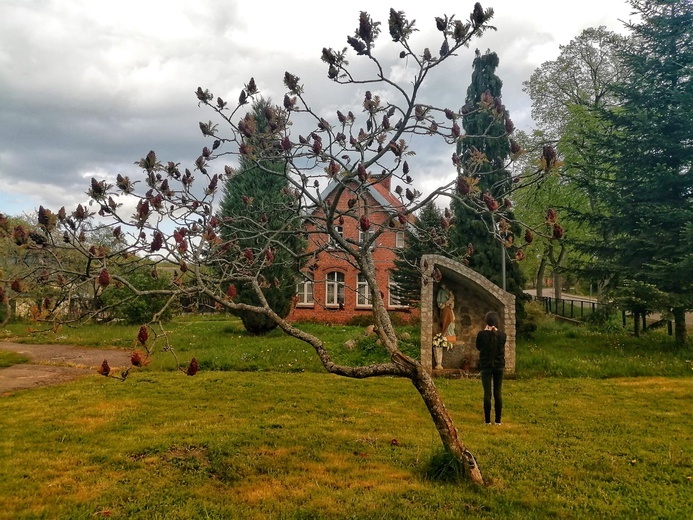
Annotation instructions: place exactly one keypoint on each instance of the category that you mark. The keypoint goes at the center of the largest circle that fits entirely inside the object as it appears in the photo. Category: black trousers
(492, 381)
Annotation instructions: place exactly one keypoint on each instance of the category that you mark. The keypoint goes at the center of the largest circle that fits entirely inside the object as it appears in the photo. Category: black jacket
(484, 345)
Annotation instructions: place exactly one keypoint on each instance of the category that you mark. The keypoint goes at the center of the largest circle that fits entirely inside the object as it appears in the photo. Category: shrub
(139, 309)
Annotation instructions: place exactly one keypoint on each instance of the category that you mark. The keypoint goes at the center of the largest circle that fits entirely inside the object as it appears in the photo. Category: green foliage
(422, 238)
(581, 75)
(138, 310)
(563, 93)
(604, 319)
(489, 134)
(262, 211)
(643, 179)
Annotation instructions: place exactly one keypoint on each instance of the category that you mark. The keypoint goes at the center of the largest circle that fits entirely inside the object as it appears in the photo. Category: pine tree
(425, 237)
(648, 185)
(487, 133)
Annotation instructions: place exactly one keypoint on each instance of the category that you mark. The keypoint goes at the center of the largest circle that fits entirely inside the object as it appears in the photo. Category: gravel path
(53, 364)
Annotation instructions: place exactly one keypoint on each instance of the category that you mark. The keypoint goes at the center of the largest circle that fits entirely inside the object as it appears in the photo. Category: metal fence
(577, 309)
(580, 309)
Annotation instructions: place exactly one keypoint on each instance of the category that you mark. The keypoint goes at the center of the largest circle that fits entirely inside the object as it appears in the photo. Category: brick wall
(334, 260)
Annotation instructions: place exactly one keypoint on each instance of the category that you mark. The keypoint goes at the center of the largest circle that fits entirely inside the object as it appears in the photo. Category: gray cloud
(87, 88)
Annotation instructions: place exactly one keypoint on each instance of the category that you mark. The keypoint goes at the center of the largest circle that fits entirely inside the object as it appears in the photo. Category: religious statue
(446, 304)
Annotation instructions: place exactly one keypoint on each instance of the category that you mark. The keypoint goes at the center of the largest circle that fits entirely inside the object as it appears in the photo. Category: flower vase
(438, 356)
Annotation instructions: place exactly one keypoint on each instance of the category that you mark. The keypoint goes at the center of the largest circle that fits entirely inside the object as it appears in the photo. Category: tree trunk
(401, 366)
(540, 277)
(680, 335)
(443, 423)
(557, 285)
(8, 314)
(556, 267)
(636, 323)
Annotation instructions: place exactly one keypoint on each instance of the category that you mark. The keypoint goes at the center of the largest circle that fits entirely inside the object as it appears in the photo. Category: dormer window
(332, 243)
(365, 236)
(399, 239)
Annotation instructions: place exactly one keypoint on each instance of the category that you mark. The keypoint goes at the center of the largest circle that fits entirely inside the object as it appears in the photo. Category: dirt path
(52, 364)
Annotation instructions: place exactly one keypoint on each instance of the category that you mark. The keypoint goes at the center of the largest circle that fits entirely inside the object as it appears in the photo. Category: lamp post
(503, 263)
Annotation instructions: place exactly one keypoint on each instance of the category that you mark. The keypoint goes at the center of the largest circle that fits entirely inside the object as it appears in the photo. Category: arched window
(334, 290)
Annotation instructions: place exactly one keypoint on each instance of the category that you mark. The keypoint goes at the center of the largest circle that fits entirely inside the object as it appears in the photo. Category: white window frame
(364, 236)
(399, 240)
(363, 292)
(331, 242)
(305, 290)
(334, 289)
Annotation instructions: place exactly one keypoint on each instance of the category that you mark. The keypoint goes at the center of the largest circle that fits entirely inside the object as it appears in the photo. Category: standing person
(490, 343)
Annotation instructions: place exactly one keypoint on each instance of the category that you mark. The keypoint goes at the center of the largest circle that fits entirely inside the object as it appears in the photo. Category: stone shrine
(457, 298)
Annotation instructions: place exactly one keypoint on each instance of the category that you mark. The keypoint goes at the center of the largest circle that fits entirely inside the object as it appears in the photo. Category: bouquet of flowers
(441, 341)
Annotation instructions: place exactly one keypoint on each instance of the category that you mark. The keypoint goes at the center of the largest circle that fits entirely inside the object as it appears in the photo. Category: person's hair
(493, 319)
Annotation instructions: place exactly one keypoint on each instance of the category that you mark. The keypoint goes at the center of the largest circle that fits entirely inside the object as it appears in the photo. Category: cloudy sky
(87, 87)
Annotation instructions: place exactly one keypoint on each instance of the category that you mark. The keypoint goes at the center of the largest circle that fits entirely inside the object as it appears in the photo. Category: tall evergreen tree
(424, 237)
(646, 174)
(486, 151)
(258, 202)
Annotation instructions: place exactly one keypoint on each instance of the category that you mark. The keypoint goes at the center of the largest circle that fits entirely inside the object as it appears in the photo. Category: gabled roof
(386, 200)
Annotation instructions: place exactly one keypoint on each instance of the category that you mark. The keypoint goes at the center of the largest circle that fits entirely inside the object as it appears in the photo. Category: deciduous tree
(175, 217)
(563, 93)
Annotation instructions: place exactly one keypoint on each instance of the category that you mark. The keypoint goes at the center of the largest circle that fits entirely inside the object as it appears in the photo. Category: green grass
(564, 350)
(221, 343)
(271, 445)
(262, 432)
(7, 359)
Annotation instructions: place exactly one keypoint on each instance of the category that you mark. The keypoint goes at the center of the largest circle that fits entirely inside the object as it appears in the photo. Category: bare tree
(176, 223)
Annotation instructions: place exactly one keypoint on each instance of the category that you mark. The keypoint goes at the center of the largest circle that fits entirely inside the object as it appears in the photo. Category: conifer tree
(486, 150)
(646, 163)
(424, 237)
(257, 198)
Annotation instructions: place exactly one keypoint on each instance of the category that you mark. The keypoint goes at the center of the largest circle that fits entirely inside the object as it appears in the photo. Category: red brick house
(332, 290)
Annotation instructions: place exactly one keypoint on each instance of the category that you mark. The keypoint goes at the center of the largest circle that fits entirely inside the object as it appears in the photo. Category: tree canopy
(487, 151)
(644, 178)
(176, 219)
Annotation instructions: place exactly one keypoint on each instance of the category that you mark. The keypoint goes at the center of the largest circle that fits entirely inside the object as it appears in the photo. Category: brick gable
(380, 206)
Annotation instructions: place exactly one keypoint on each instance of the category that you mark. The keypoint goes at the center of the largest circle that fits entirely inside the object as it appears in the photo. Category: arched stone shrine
(456, 298)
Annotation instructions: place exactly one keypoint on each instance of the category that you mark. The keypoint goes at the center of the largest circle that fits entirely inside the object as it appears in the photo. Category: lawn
(296, 443)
